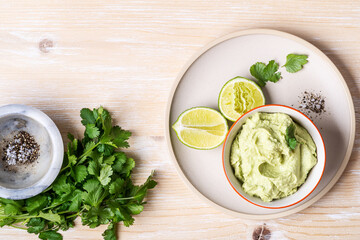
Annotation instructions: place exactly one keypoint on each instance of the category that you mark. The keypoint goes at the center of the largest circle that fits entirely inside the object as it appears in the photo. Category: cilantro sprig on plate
(94, 183)
(295, 62)
(265, 72)
(269, 72)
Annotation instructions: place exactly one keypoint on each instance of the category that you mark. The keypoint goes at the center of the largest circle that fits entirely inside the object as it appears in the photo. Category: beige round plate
(200, 82)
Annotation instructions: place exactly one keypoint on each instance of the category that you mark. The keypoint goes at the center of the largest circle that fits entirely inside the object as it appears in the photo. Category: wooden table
(60, 56)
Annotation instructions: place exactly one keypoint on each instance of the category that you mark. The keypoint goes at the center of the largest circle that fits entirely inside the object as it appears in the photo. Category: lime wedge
(201, 128)
(238, 96)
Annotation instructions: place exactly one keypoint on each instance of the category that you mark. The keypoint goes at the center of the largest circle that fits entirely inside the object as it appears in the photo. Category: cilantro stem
(86, 153)
(23, 216)
(14, 226)
(53, 206)
(128, 198)
(50, 187)
(90, 150)
(76, 214)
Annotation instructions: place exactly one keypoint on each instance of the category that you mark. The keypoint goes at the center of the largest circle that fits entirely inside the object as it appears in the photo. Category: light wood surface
(125, 55)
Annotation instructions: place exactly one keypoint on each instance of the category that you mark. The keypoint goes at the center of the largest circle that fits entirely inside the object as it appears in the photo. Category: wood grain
(125, 55)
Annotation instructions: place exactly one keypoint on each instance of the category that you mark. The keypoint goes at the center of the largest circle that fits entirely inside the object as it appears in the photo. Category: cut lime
(238, 96)
(201, 128)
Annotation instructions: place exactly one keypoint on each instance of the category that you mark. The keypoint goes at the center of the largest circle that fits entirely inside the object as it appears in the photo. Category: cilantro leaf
(87, 116)
(91, 185)
(127, 167)
(6, 221)
(50, 235)
(60, 185)
(292, 142)
(94, 197)
(106, 121)
(72, 160)
(264, 73)
(18, 203)
(106, 149)
(98, 215)
(53, 217)
(295, 62)
(256, 71)
(80, 173)
(92, 131)
(12, 209)
(120, 137)
(109, 233)
(109, 160)
(140, 191)
(126, 217)
(117, 186)
(119, 162)
(75, 201)
(105, 174)
(94, 168)
(290, 136)
(94, 194)
(35, 225)
(35, 204)
(135, 208)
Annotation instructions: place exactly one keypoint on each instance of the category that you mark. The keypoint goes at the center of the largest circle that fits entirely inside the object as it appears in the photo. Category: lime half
(238, 96)
(201, 128)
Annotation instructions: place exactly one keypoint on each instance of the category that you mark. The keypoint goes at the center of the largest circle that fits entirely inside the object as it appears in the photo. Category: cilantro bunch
(94, 183)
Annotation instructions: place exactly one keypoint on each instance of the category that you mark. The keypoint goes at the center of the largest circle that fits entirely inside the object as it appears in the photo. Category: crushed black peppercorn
(22, 149)
(311, 102)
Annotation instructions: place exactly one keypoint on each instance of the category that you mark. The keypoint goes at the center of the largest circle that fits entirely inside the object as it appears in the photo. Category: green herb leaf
(105, 174)
(80, 173)
(290, 136)
(94, 168)
(60, 185)
(36, 225)
(127, 167)
(35, 204)
(110, 233)
(119, 162)
(94, 194)
(120, 137)
(292, 143)
(141, 191)
(92, 131)
(91, 184)
(87, 116)
(135, 208)
(6, 221)
(72, 160)
(295, 62)
(264, 73)
(117, 186)
(76, 201)
(12, 209)
(109, 160)
(52, 217)
(50, 235)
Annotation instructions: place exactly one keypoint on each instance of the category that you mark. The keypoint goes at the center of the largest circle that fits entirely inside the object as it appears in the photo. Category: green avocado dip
(263, 161)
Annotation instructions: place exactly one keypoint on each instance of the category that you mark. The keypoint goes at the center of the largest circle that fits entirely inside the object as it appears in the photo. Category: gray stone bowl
(27, 180)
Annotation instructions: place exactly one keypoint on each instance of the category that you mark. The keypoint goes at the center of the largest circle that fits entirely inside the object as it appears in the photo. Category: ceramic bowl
(314, 176)
(27, 180)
